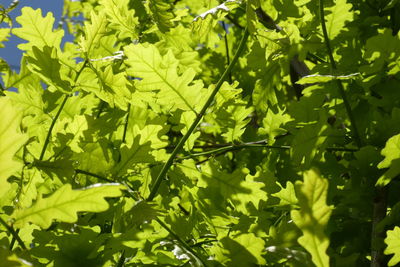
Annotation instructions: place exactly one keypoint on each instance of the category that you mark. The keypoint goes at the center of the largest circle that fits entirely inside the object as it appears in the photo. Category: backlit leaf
(313, 216)
(393, 245)
(339, 14)
(94, 31)
(37, 30)
(122, 19)
(64, 204)
(11, 140)
(159, 73)
(391, 152)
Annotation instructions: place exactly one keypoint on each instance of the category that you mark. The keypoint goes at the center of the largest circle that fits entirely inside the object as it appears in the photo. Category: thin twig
(234, 22)
(339, 82)
(182, 242)
(167, 165)
(227, 49)
(53, 122)
(13, 233)
(79, 171)
(126, 124)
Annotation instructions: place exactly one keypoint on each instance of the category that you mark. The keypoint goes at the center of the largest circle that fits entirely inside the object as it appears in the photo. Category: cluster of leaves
(202, 133)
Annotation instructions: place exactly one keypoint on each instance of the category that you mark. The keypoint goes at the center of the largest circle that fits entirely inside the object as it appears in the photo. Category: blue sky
(11, 53)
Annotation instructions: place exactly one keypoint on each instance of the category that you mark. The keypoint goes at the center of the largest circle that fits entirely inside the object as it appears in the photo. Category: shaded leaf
(162, 14)
(46, 64)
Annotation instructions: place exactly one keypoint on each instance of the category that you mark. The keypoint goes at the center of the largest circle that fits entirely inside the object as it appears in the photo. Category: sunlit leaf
(122, 18)
(391, 152)
(313, 216)
(159, 73)
(337, 16)
(94, 31)
(393, 245)
(37, 30)
(11, 140)
(64, 204)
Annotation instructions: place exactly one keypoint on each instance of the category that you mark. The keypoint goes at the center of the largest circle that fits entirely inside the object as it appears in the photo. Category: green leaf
(382, 49)
(313, 216)
(244, 248)
(136, 153)
(11, 140)
(273, 122)
(159, 73)
(393, 245)
(121, 18)
(335, 20)
(94, 31)
(391, 152)
(45, 63)
(287, 196)
(307, 143)
(110, 87)
(63, 205)
(205, 25)
(238, 118)
(239, 186)
(37, 30)
(162, 14)
(318, 78)
(8, 258)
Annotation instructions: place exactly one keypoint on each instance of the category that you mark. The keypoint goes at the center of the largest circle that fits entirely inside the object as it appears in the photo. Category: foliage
(202, 133)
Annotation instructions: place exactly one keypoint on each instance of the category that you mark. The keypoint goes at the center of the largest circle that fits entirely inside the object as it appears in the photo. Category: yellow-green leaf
(94, 31)
(121, 18)
(391, 152)
(337, 16)
(64, 204)
(393, 245)
(11, 140)
(313, 216)
(37, 30)
(159, 73)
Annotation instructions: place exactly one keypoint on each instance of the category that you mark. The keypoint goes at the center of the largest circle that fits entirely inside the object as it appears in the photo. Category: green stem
(231, 148)
(339, 83)
(13, 233)
(181, 142)
(126, 124)
(53, 122)
(79, 171)
(182, 242)
(227, 49)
